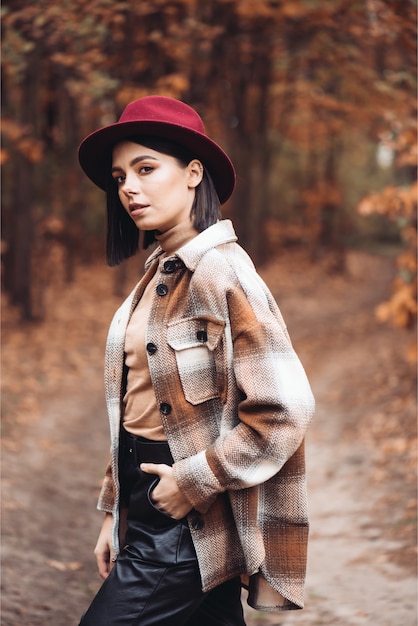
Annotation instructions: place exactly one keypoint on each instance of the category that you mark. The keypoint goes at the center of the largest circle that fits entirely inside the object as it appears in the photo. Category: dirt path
(360, 466)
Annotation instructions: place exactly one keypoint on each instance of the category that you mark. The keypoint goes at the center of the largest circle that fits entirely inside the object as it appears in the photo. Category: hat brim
(95, 152)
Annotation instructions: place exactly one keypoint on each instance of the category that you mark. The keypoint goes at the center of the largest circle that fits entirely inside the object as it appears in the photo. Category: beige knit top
(141, 414)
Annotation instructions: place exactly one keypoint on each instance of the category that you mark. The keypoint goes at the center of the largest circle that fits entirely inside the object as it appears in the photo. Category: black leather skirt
(156, 579)
(162, 539)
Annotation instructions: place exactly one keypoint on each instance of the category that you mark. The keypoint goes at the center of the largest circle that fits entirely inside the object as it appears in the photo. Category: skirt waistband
(138, 450)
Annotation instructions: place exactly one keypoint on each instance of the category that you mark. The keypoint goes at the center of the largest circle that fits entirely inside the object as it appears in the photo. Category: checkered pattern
(238, 405)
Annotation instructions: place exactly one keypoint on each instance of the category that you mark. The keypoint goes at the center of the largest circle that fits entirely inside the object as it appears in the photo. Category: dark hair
(122, 233)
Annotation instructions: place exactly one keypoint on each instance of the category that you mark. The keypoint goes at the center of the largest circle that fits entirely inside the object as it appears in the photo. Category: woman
(208, 403)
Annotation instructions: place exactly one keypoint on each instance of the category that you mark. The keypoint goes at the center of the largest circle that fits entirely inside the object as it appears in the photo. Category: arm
(274, 409)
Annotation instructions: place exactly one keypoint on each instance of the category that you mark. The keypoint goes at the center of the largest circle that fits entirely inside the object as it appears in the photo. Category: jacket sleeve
(107, 493)
(274, 409)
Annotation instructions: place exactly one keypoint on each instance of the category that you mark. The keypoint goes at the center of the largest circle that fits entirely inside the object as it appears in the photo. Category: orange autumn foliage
(399, 204)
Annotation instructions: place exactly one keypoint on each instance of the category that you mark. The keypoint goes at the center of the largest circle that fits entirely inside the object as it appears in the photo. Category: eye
(119, 180)
(146, 169)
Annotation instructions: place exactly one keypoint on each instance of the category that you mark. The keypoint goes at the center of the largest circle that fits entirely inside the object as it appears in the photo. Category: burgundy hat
(164, 117)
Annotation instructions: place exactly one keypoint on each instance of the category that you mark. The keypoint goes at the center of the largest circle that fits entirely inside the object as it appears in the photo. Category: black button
(202, 335)
(170, 267)
(165, 408)
(151, 348)
(197, 523)
(162, 289)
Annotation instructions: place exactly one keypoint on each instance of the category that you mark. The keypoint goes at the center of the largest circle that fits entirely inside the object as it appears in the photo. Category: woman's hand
(167, 496)
(103, 551)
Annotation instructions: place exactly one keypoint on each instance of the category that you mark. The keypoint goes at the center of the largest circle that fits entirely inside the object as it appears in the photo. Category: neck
(176, 237)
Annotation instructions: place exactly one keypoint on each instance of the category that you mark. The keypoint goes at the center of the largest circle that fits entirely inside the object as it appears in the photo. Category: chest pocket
(198, 345)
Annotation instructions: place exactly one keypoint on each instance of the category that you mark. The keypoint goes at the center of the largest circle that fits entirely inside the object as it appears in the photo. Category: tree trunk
(22, 198)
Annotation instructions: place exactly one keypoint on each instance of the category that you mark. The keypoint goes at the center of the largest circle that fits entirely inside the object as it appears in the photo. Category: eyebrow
(134, 161)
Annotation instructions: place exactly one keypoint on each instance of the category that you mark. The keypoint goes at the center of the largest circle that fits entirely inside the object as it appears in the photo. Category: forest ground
(361, 447)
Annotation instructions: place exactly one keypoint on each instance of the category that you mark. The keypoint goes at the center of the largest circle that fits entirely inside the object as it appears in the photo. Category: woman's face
(154, 188)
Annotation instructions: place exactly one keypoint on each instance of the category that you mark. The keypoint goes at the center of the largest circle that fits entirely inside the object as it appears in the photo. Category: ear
(194, 173)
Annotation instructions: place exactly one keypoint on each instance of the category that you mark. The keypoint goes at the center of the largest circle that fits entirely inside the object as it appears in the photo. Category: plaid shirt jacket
(235, 404)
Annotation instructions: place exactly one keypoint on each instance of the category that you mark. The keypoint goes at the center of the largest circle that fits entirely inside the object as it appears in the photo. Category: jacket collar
(192, 252)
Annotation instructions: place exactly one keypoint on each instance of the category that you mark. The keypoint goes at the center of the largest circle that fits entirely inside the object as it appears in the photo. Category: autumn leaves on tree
(302, 93)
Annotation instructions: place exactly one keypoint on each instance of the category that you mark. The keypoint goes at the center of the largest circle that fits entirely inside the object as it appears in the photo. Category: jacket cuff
(197, 481)
(107, 496)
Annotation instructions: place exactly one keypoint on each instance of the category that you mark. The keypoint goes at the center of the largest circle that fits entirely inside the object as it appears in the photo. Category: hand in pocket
(166, 495)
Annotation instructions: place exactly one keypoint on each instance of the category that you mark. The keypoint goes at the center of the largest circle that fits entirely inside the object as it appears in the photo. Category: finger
(103, 565)
(153, 468)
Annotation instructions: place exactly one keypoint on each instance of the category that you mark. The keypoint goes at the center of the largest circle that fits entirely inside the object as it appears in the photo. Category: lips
(137, 209)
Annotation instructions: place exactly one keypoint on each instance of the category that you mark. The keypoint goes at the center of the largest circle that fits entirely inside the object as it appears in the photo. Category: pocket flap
(195, 331)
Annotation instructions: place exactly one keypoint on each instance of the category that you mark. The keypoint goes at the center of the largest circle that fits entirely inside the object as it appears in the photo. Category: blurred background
(315, 101)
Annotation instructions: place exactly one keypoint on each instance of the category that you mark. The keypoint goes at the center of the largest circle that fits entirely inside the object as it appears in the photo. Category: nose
(130, 185)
